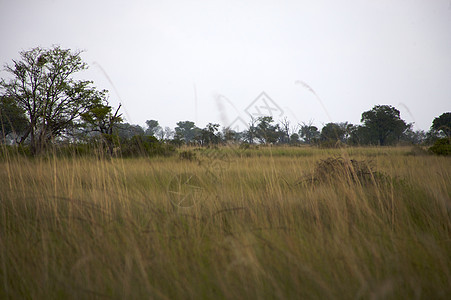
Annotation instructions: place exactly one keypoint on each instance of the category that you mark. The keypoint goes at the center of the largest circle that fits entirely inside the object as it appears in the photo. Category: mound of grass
(339, 168)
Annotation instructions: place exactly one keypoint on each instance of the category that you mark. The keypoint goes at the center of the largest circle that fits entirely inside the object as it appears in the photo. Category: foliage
(443, 124)
(154, 129)
(149, 146)
(441, 147)
(309, 133)
(210, 135)
(42, 85)
(127, 131)
(186, 131)
(266, 132)
(383, 125)
(12, 118)
(333, 132)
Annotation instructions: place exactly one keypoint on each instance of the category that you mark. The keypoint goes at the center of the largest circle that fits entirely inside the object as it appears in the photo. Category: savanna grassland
(228, 224)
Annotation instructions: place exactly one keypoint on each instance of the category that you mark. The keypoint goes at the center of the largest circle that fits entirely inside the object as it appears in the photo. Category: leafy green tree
(267, 133)
(309, 133)
(383, 124)
(333, 132)
(100, 118)
(126, 131)
(415, 137)
(43, 86)
(230, 135)
(12, 118)
(443, 124)
(210, 134)
(154, 129)
(250, 134)
(186, 131)
(294, 139)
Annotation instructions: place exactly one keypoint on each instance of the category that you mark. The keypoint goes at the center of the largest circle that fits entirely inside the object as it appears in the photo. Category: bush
(145, 146)
(441, 147)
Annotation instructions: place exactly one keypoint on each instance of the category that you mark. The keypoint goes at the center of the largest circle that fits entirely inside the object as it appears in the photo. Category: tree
(100, 118)
(285, 131)
(333, 132)
(168, 133)
(42, 85)
(443, 124)
(266, 132)
(127, 131)
(250, 134)
(154, 129)
(309, 133)
(383, 124)
(186, 131)
(210, 135)
(12, 118)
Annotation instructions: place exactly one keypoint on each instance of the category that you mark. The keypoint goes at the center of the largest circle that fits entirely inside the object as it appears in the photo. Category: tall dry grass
(256, 223)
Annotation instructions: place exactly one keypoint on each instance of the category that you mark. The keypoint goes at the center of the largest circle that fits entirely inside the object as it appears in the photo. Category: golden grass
(235, 224)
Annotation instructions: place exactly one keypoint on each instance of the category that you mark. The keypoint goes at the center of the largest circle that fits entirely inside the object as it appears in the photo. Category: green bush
(441, 147)
(145, 146)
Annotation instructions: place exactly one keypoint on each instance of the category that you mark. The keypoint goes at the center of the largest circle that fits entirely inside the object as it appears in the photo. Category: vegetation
(441, 147)
(443, 124)
(228, 223)
(94, 207)
(42, 107)
(42, 86)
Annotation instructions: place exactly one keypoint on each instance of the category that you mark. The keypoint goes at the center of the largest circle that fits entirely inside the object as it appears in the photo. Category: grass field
(228, 224)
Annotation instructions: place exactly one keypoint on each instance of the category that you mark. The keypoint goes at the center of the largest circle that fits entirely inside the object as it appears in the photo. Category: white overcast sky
(207, 61)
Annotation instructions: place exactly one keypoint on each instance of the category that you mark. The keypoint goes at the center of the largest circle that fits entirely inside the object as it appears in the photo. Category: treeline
(381, 125)
(42, 107)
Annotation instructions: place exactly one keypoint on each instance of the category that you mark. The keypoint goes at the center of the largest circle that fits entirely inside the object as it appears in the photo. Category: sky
(225, 61)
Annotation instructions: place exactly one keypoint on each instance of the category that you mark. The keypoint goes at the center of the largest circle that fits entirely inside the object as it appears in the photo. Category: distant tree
(210, 134)
(443, 124)
(126, 131)
(186, 131)
(333, 132)
(153, 128)
(42, 85)
(168, 133)
(383, 124)
(230, 135)
(267, 133)
(294, 139)
(309, 133)
(101, 118)
(415, 137)
(284, 131)
(250, 134)
(12, 118)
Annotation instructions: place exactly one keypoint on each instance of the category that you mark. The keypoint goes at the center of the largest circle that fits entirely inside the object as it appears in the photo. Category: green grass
(228, 224)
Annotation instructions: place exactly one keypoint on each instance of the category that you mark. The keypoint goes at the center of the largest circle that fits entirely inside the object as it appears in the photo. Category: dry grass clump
(339, 168)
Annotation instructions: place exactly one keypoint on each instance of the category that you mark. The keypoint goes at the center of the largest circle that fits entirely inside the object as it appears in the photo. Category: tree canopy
(43, 86)
(12, 118)
(383, 124)
(443, 124)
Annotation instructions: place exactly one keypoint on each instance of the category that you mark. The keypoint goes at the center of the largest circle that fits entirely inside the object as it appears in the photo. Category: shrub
(441, 147)
(145, 146)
